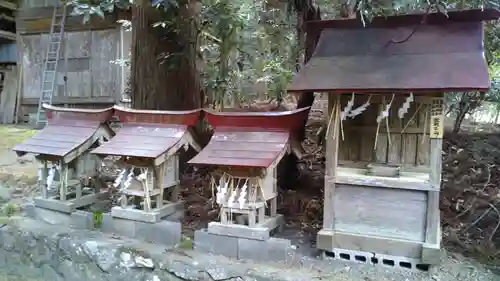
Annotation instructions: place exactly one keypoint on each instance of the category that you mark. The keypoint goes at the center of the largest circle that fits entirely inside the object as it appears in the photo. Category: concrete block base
(377, 259)
(242, 242)
(78, 219)
(377, 250)
(215, 244)
(68, 206)
(153, 216)
(432, 254)
(165, 232)
(262, 231)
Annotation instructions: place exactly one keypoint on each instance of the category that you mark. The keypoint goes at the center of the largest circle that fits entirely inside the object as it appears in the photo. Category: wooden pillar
(160, 183)
(430, 253)
(63, 181)
(332, 144)
(43, 180)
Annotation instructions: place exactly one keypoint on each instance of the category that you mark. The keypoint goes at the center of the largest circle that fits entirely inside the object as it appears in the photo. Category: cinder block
(126, 228)
(107, 225)
(50, 216)
(163, 232)
(215, 244)
(273, 249)
(29, 209)
(176, 217)
(431, 253)
(82, 220)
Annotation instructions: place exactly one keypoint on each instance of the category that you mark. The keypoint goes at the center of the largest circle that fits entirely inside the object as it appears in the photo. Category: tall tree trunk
(288, 170)
(156, 83)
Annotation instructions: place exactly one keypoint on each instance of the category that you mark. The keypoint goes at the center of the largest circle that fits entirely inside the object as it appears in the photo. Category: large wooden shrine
(386, 85)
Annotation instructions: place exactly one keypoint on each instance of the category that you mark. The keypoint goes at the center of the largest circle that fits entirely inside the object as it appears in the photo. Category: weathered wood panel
(33, 52)
(37, 19)
(105, 48)
(75, 64)
(9, 95)
(401, 143)
(381, 212)
(85, 61)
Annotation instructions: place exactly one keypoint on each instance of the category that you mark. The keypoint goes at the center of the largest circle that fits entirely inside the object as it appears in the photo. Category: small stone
(144, 262)
(5, 193)
(126, 260)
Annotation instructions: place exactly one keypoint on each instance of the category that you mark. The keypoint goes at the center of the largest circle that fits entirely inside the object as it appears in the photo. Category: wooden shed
(87, 53)
(386, 84)
(9, 73)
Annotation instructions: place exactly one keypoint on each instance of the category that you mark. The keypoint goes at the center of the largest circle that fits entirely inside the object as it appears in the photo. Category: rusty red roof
(285, 120)
(243, 147)
(67, 129)
(398, 54)
(142, 140)
(249, 139)
(148, 133)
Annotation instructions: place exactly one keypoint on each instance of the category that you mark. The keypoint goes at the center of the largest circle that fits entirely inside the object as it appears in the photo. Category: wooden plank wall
(86, 61)
(408, 147)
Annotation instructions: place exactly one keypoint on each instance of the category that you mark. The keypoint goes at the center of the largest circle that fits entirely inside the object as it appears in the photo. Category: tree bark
(156, 83)
(288, 170)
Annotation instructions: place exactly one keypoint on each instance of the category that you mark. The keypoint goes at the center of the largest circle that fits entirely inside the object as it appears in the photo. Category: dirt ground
(470, 200)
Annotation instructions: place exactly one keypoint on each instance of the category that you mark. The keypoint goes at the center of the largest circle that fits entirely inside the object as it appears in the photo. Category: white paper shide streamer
(360, 109)
(406, 105)
(221, 191)
(347, 109)
(119, 178)
(243, 194)
(384, 113)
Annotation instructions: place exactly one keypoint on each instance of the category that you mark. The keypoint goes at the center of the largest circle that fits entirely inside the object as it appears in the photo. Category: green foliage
(10, 209)
(97, 218)
(245, 41)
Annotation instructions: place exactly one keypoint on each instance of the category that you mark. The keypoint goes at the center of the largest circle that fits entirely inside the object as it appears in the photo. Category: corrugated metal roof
(243, 147)
(438, 57)
(142, 140)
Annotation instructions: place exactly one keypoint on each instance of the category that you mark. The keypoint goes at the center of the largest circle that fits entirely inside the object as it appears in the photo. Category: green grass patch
(11, 135)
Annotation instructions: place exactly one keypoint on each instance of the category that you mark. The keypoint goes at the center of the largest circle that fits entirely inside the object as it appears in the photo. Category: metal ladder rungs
(51, 61)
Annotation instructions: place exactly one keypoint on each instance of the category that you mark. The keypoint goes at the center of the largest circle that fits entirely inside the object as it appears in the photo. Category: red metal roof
(148, 133)
(67, 129)
(142, 140)
(243, 147)
(398, 54)
(249, 139)
(59, 139)
(185, 117)
(285, 120)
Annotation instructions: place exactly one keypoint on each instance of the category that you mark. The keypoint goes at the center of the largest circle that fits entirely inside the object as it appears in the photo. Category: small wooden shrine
(246, 149)
(62, 148)
(147, 147)
(384, 139)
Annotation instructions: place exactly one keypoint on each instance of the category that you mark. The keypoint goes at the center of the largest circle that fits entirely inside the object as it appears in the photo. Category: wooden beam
(7, 17)
(66, 100)
(38, 20)
(8, 35)
(8, 5)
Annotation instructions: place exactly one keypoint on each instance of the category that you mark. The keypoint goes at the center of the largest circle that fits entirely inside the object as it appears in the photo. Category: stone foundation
(32, 250)
(165, 232)
(245, 243)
